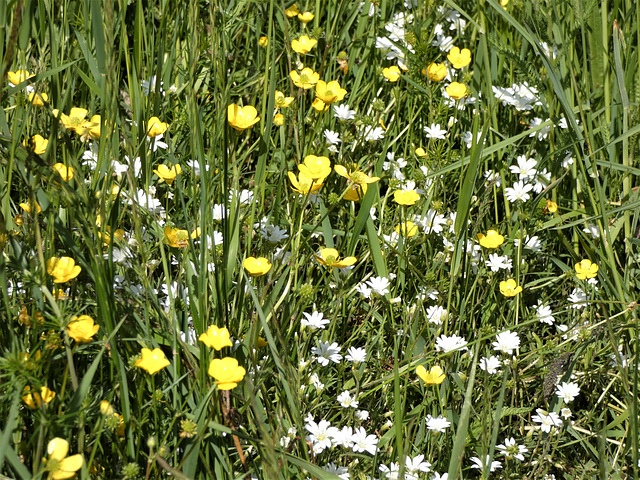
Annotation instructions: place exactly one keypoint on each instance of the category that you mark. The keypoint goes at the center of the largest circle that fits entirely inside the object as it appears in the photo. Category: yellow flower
(177, 238)
(330, 92)
(19, 76)
(292, 11)
(155, 127)
(256, 267)
(436, 72)
(551, 207)
(510, 288)
(585, 269)
(241, 118)
(168, 174)
(358, 181)
(420, 152)
(319, 105)
(62, 269)
(264, 41)
(152, 361)
(37, 143)
(491, 240)
(278, 119)
(315, 168)
(305, 17)
(282, 101)
(406, 197)
(407, 229)
(303, 45)
(106, 409)
(66, 173)
(93, 126)
(74, 121)
(303, 184)
(38, 99)
(435, 376)
(216, 338)
(391, 73)
(58, 465)
(82, 328)
(504, 3)
(33, 399)
(226, 372)
(306, 79)
(459, 58)
(331, 258)
(28, 207)
(456, 90)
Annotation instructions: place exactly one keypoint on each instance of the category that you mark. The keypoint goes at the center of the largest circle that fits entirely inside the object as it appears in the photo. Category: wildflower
(62, 269)
(306, 79)
(450, 344)
(491, 240)
(408, 229)
(547, 420)
(436, 72)
(320, 435)
(305, 17)
(456, 90)
(578, 298)
(303, 184)
(406, 196)
(525, 168)
(420, 152)
(226, 372)
(315, 168)
(150, 86)
(74, 121)
(530, 243)
(435, 131)
(519, 191)
(303, 45)
(512, 450)
(241, 118)
(33, 399)
(343, 113)
(314, 320)
(82, 328)
(152, 360)
(37, 143)
(509, 288)
(256, 267)
(292, 11)
(19, 76)
(346, 400)
(506, 342)
(319, 105)
(585, 269)
(356, 355)
(477, 463)
(544, 314)
(327, 352)
(58, 464)
(278, 119)
(363, 442)
(273, 233)
(567, 391)
(437, 314)
(178, 238)
(263, 41)
(282, 101)
(392, 73)
(379, 285)
(66, 173)
(168, 174)
(330, 92)
(155, 127)
(358, 181)
(216, 338)
(435, 376)
(497, 262)
(565, 413)
(490, 365)
(459, 58)
(438, 424)
(331, 258)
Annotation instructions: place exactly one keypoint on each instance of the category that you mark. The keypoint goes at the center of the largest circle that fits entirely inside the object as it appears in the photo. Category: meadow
(390, 239)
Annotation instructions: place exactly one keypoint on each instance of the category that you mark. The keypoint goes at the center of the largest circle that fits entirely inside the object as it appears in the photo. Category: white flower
(497, 262)
(546, 421)
(344, 437)
(342, 472)
(568, 159)
(437, 476)
(437, 314)
(493, 177)
(364, 290)
(506, 342)
(449, 344)
(544, 313)
(551, 53)
(332, 138)
(326, 352)
(356, 355)
(343, 113)
(519, 191)
(416, 465)
(578, 298)
(490, 365)
(379, 285)
(274, 233)
(477, 463)
(592, 230)
(530, 243)
(439, 424)
(526, 168)
(522, 97)
(512, 450)
(432, 222)
(362, 415)
(467, 138)
(391, 472)
(567, 391)
(219, 212)
(565, 413)
(148, 202)
(149, 86)
(346, 400)
(315, 381)
(435, 132)
(320, 434)
(372, 134)
(314, 320)
(363, 442)
(543, 132)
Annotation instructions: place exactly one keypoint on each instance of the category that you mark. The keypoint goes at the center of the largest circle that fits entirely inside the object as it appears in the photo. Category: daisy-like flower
(459, 58)
(303, 45)
(449, 344)
(497, 262)
(392, 74)
(511, 449)
(436, 72)
(58, 464)
(546, 420)
(578, 298)
(327, 352)
(491, 240)
(482, 466)
(332, 138)
(372, 134)
(585, 269)
(506, 342)
(241, 118)
(346, 400)
(330, 92)
(331, 258)
(306, 79)
(342, 472)
(435, 131)
(416, 465)
(518, 192)
(567, 391)
(438, 424)
(490, 365)
(509, 288)
(456, 90)
(343, 112)
(356, 355)
(435, 376)
(437, 314)
(314, 320)
(379, 285)
(363, 442)
(320, 434)
(525, 168)
(544, 313)
(530, 243)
